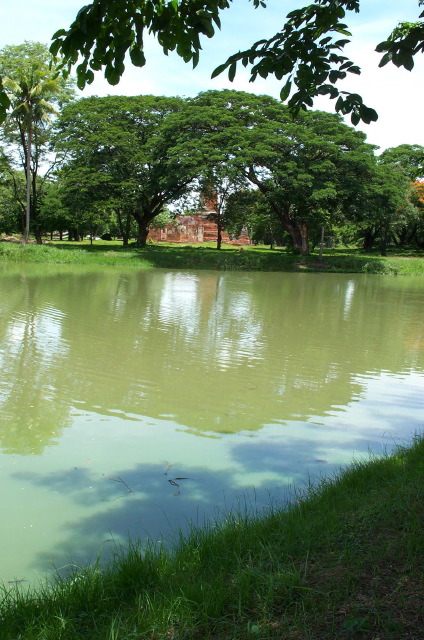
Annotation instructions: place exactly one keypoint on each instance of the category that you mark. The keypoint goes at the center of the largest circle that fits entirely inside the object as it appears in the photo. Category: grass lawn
(205, 256)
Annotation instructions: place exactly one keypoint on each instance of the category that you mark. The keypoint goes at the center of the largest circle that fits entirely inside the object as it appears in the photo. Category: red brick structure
(196, 228)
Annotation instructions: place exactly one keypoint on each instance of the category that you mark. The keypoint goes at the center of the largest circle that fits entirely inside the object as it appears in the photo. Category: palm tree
(34, 88)
(30, 111)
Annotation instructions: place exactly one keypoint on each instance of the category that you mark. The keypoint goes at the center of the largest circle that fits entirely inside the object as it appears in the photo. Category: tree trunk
(300, 236)
(219, 232)
(321, 244)
(298, 231)
(383, 243)
(28, 185)
(124, 228)
(304, 232)
(127, 230)
(37, 233)
(369, 238)
(22, 221)
(418, 241)
(142, 234)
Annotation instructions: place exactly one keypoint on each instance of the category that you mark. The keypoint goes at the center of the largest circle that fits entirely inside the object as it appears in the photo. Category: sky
(396, 94)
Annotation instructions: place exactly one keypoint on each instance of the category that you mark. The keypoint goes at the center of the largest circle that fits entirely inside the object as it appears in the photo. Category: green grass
(205, 256)
(343, 561)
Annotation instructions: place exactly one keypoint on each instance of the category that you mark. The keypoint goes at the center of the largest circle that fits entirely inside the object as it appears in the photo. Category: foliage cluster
(308, 51)
(344, 560)
(115, 165)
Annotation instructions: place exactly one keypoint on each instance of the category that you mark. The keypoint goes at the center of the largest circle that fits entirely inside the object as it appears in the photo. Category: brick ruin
(196, 228)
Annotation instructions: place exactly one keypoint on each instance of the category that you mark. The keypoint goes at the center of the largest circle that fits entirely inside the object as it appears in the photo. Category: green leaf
(408, 62)
(355, 118)
(80, 81)
(385, 59)
(285, 91)
(354, 98)
(367, 114)
(112, 75)
(232, 71)
(59, 34)
(4, 100)
(219, 70)
(89, 75)
(326, 89)
(96, 65)
(137, 57)
(383, 46)
(340, 44)
(340, 104)
(334, 75)
(54, 48)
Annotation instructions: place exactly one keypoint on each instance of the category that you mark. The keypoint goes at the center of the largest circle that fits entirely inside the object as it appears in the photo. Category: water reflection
(110, 374)
(217, 352)
(31, 355)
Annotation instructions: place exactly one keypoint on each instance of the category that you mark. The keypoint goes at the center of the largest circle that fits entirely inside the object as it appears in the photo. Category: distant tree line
(117, 164)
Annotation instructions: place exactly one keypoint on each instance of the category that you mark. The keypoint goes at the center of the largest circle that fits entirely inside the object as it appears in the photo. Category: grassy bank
(231, 258)
(344, 561)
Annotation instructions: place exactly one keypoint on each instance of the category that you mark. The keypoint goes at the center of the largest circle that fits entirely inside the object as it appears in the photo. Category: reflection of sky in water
(179, 302)
(350, 288)
(236, 330)
(34, 339)
(43, 329)
(117, 305)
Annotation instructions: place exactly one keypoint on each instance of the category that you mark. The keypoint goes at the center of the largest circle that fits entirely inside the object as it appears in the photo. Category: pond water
(134, 402)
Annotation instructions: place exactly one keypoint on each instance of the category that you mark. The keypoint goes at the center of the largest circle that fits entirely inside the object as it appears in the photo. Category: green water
(117, 383)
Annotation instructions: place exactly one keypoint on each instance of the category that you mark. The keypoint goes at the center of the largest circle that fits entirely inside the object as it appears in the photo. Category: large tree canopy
(307, 52)
(134, 154)
(408, 158)
(306, 167)
(126, 158)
